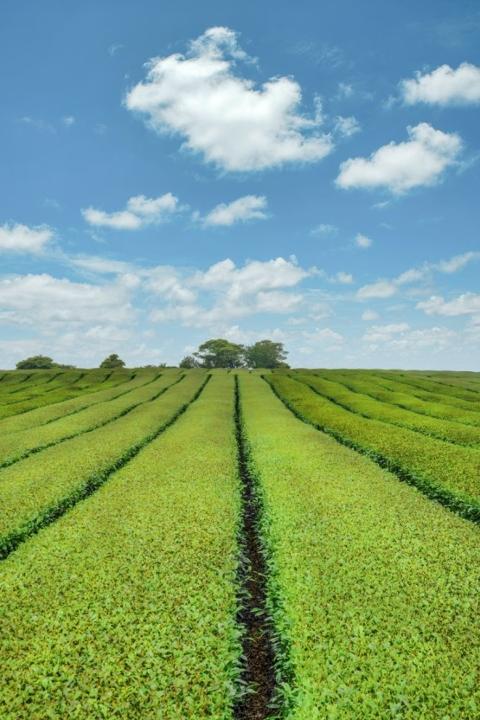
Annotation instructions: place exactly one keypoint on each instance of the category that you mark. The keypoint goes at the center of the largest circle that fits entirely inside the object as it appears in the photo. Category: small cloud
(23, 239)
(370, 315)
(345, 90)
(409, 276)
(37, 123)
(52, 203)
(465, 304)
(399, 167)
(347, 126)
(140, 211)
(456, 263)
(324, 229)
(249, 207)
(344, 278)
(444, 86)
(68, 120)
(326, 337)
(320, 54)
(114, 48)
(362, 241)
(380, 289)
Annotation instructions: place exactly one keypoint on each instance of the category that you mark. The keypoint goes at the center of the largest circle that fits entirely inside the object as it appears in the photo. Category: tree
(36, 362)
(112, 361)
(189, 362)
(220, 353)
(266, 354)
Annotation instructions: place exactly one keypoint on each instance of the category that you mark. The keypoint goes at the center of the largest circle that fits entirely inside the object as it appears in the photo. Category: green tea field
(239, 545)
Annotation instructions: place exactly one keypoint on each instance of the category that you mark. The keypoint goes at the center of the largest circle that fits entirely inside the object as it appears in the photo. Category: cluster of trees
(112, 361)
(220, 353)
(41, 362)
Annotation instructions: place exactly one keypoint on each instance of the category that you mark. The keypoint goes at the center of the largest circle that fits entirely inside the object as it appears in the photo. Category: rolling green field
(233, 545)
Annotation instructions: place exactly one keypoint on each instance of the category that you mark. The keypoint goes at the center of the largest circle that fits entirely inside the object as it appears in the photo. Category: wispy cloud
(140, 211)
(324, 229)
(246, 208)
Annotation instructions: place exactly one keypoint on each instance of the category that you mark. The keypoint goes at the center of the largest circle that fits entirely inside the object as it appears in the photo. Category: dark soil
(258, 676)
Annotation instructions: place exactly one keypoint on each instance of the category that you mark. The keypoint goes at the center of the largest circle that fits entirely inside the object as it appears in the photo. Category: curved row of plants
(369, 407)
(39, 488)
(410, 398)
(126, 606)
(51, 412)
(437, 386)
(17, 446)
(374, 589)
(89, 383)
(447, 473)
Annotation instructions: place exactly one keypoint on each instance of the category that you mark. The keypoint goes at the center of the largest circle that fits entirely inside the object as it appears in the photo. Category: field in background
(298, 544)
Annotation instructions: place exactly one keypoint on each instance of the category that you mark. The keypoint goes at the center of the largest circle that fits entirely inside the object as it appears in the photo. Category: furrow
(258, 672)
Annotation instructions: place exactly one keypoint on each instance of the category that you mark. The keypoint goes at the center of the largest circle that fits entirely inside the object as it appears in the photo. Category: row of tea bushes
(448, 473)
(125, 608)
(374, 588)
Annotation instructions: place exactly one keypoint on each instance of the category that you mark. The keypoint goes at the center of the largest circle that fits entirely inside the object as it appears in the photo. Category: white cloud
(433, 339)
(370, 315)
(456, 263)
(363, 241)
(382, 333)
(379, 289)
(249, 207)
(387, 288)
(409, 276)
(164, 281)
(347, 126)
(38, 124)
(345, 90)
(444, 86)
(254, 276)
(327, 338)
(228, 291)
(465, 304)
(324, 229)
(344, 278)
(100, 265)
(114, 48)
(43, 300)
(400, 337)
(121, 220)
(318, 311)
(225, 117)
(68, 120)
(140, 212)
(239, 335)
(450, 266)
(276, 301)
(23, 239)
(399, 167)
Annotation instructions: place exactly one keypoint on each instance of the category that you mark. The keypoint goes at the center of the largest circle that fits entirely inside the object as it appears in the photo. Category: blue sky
(175, 171)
